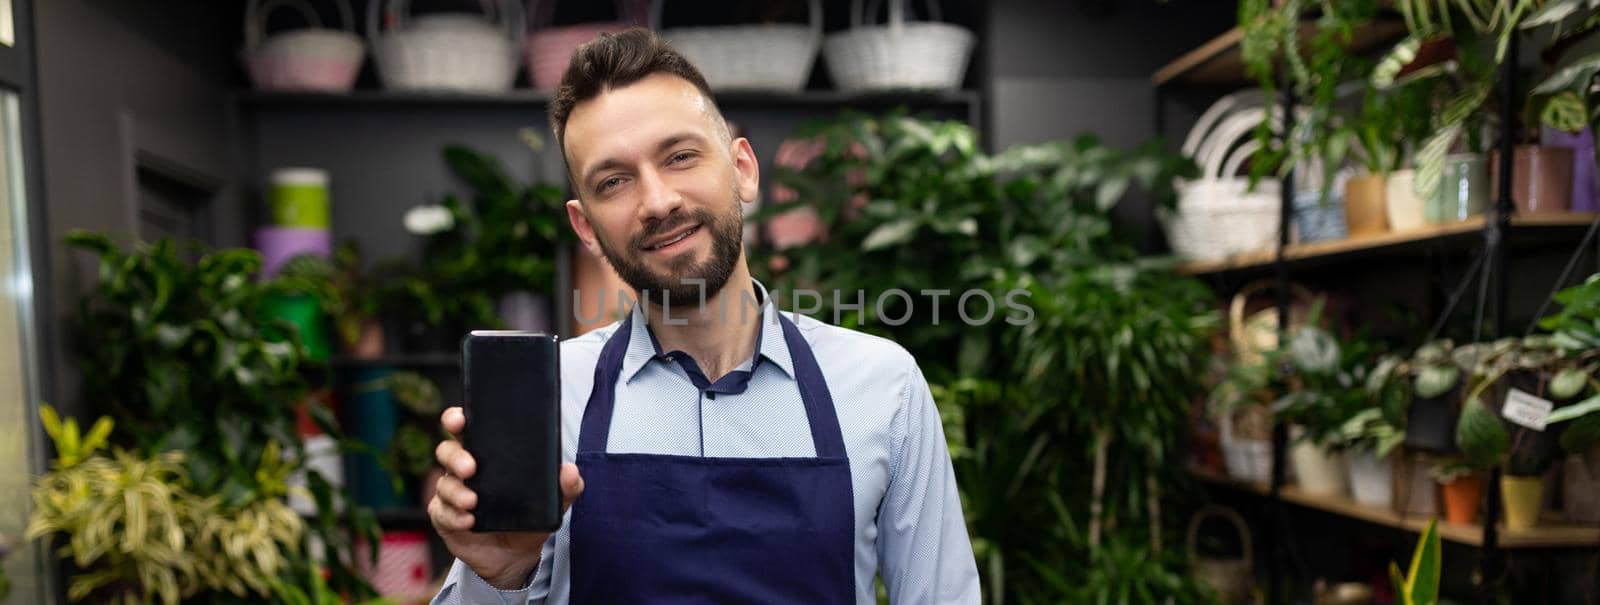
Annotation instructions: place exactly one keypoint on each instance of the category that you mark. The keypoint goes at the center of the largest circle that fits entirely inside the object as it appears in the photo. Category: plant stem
(1102, 444)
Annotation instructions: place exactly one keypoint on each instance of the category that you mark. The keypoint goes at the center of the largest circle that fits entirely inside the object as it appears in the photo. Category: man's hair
(613, 61)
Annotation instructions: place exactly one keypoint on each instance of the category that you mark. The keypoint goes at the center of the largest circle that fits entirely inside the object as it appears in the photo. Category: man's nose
(659, 198)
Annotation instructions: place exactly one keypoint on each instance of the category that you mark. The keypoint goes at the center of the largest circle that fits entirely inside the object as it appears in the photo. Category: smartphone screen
(512, 383)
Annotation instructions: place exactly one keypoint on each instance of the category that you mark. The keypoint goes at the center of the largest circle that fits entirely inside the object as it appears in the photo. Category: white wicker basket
(314, 58)
(455, 52)
(900, 55)
(1218, 215)
(762, 57)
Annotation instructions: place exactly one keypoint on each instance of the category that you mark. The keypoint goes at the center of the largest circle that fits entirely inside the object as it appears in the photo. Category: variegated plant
(1420, 584)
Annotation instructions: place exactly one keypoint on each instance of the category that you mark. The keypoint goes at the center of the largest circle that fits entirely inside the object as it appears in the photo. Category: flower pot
(1405, 210)
(373, 416)
(525, 311)
(1319, 470)
(1365, 211)
(1541, 178)
(1585, 188)
(371, 342)
(1581, 486)
(1431, 422)
(1521, 496)
(1530, 447)
(1462, 496)
(1416, 491)
(1246, 452)
(1463, 189)
(1317, 219)
(1371, 479)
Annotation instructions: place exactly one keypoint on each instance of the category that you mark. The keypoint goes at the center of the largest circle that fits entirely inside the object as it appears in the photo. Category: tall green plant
(179, 351)
(1420, 584)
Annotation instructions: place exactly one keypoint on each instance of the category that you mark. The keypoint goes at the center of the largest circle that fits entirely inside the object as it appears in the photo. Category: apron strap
(597, 414)
(820, 412)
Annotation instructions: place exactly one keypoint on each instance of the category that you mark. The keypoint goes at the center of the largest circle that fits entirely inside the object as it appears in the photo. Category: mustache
(667, 225)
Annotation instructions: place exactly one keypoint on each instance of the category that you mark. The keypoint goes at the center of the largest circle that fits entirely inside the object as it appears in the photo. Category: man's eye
(680, 157)
(607, 184)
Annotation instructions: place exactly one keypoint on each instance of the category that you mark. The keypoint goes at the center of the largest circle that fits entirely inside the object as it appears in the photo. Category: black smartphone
(512, 384)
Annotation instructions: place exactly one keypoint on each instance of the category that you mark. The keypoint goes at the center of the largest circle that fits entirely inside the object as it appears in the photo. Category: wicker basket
(1232, 580)
(1254, 333)
(900, 55)
(311, 59)
(768, 57)
(549, 49)
(451, 52)
(1218, 214)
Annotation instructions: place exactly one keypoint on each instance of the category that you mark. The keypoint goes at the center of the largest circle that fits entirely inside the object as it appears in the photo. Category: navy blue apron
(653, 528)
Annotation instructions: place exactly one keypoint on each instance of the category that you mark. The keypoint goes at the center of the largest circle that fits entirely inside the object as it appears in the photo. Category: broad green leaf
(1577, 410)
(1480, 435)
(1433, 381)
(889, 234)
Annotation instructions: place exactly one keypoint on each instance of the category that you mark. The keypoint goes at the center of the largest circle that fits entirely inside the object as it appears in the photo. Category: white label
(1526, 409)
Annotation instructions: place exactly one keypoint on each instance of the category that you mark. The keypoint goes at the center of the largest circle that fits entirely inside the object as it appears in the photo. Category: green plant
(1480, 436)
(503, 241)
(348, 294)
(411, 451)
(1420, 584)
(136, 532)
(1447, 470)
(176, 350)
(1370, 430)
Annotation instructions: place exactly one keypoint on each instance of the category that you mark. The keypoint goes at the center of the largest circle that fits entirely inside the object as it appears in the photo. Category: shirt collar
(770, 342)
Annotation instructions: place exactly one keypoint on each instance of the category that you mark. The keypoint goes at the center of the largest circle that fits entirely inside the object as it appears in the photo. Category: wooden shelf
(1553, 533)
(1219, 62)
(520, 98)
(1469, 231)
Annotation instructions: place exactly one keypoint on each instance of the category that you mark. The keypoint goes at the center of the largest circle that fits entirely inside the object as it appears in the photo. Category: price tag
(1526, 409)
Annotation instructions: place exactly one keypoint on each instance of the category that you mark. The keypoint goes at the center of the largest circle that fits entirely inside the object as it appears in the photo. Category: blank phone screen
(513, 405)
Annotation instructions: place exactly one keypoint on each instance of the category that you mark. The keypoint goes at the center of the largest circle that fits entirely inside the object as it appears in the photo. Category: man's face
(661, 185)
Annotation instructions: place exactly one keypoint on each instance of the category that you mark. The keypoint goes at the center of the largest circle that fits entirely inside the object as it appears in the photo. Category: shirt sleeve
(923, 547)
(464, 587)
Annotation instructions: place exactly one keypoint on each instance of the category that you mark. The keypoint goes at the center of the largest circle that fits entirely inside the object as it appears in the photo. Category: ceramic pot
(1317, 219)
(1319, 471)
(1431, 422)
(1405, 210)
(1371, 479)
(1364, 206)
(1463, 189)
(1462, 496)
(1580, 476)
(1585, 188)
(1521, 497)
(1541, 178)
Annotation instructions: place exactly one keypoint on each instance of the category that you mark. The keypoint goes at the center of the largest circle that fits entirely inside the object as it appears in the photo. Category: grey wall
(120, 80)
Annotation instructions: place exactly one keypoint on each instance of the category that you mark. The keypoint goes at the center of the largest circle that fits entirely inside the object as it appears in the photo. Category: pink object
(404, 571)
(550, 50)
(279, 244)
(311, 59)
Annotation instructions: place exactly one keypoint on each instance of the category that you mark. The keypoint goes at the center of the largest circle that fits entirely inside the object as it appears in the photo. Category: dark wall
(124, 86)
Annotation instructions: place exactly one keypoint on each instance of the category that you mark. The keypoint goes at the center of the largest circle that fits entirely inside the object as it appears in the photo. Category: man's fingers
(447, 518)
(455, 459)
(571, 485)
(453, 420)
(455, 493)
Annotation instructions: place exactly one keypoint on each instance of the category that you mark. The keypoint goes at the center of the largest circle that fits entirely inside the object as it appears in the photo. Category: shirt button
(711, 395)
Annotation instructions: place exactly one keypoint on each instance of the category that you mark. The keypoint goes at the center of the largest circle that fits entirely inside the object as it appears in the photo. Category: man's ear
(580, 224)
(747, 171)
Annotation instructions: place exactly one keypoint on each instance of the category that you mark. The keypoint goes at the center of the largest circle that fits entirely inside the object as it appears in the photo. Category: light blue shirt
(909, 526)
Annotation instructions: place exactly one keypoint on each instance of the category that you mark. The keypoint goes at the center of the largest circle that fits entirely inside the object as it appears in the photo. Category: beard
(685, 283)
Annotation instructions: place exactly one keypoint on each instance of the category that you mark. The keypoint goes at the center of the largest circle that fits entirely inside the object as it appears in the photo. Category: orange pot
(1366, 208)
(1461, 499)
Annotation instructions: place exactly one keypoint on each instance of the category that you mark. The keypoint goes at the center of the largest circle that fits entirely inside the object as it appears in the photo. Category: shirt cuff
(476, 590)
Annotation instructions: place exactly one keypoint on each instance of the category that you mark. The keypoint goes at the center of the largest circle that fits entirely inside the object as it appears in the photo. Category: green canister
(299, 197)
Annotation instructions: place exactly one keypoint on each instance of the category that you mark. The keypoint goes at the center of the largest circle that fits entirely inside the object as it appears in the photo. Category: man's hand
(504, 559)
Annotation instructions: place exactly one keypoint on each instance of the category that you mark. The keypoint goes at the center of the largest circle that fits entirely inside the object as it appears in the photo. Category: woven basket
(451, 52)
(767, 57)
(311, 59)
(1254, 334)
(1232, 580)
(1218, 214)
(900, 55)
(549, 49)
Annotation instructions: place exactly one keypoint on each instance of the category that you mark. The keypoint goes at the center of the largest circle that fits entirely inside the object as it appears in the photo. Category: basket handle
(1242, 298)
(813, 10)
(542, 15)
(508, 13)
(897, 10)
(257, 11)
(1227, 514)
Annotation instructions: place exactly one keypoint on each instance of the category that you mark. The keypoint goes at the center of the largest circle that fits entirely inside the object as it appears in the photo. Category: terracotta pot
(1541, 178)
(1522, 497)
(1404, 208)
(1461, 499)
(1581, 486)
(1365, 207)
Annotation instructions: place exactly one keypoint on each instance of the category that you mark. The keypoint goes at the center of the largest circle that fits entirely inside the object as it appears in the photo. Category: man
(728, 453)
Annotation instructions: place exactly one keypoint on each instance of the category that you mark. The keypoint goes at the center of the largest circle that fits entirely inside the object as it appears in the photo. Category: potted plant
(1324, 391)
(410, 453)
(1420, 584)
(1369, 437)
(1575, 333)
(347, 293)
(1462, 487)
(1428, 386)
